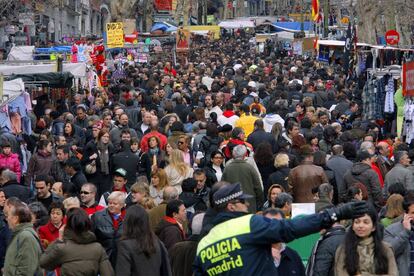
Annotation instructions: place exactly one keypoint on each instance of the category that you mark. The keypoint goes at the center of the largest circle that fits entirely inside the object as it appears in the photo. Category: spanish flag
(315, 10)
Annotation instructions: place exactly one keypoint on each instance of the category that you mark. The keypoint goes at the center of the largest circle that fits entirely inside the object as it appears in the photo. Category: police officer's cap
(229, 193)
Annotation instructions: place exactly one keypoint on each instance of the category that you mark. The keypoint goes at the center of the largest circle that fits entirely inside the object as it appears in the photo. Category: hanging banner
(115, 35)
(183, 39)
(408, 79)
(315, 10)
(297, 48)
(323, 53)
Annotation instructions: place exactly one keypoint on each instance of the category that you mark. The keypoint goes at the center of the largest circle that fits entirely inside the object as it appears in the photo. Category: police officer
(240, 243)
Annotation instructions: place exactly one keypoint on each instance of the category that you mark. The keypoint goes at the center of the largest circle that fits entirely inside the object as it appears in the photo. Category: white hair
(366, 145)
(118, 196)
(71, 202)
(239, 152)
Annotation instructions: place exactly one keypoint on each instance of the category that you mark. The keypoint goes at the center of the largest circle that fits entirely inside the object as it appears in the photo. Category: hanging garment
(5, 121)
(16, 123)
(389, 97)
(18, 105)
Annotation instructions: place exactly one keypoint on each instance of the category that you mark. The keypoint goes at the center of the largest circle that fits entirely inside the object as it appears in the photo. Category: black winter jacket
(322, 260)
(361, 172)
(106, 234)
(131, 261)
(14, 189)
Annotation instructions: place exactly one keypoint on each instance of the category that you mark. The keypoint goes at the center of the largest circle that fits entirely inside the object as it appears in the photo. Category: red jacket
(48, 233)
(170, 71)
(93, 209)
(12, 163)
(144, 140)
(378, 171)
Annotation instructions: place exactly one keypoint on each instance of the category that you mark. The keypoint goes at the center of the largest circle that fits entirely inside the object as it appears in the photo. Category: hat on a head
(82, 106)
(121, 172)
(225, 128)
(252, 84)
(228, 193)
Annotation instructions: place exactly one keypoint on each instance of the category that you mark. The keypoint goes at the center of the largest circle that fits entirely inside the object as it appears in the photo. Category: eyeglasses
(85, 192)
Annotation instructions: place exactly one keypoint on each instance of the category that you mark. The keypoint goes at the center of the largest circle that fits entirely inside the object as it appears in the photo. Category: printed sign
(183, 39)
(115, 35)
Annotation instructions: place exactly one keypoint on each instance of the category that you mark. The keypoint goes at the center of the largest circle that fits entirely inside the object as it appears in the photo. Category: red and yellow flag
(315, 10)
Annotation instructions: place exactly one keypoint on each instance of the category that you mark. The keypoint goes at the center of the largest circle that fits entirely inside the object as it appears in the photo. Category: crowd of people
(175, 170)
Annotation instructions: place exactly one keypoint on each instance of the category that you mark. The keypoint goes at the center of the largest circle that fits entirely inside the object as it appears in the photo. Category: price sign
(115, 35)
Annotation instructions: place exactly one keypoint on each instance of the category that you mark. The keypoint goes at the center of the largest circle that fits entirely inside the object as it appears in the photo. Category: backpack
(207, 147)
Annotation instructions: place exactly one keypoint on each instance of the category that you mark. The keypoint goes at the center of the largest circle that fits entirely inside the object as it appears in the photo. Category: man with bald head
(383, 161)
(157, 213)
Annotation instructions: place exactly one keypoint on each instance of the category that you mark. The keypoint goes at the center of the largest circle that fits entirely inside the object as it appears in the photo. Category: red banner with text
(408, 79)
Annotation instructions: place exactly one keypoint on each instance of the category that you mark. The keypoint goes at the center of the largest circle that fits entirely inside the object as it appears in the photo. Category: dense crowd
(157, 173)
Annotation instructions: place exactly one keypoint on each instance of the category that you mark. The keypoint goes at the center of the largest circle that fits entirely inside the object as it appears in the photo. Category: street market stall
(54, 86)
(14, 107)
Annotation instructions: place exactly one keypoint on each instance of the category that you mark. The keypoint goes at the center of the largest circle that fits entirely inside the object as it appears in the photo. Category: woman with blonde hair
(140, 195)
(177, 170)
(159, 180)
(280, 177)
(394, 210)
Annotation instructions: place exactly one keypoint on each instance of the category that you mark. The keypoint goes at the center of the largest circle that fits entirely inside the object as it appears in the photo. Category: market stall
(54, 86)
(14, 107)
(51, 53)
(149, 47)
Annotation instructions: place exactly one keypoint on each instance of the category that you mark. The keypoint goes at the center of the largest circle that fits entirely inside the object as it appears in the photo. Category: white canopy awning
(21, 53)
(78, 70)
(340, 43)
(236, 24)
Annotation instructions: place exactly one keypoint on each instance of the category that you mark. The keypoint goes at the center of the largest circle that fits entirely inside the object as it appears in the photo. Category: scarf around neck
(365, 250)
(104, 157)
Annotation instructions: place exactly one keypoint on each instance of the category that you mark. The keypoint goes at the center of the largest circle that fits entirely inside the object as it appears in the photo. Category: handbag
(91, 167)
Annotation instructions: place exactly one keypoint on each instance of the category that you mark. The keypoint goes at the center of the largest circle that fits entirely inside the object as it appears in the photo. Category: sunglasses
(84, 192)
